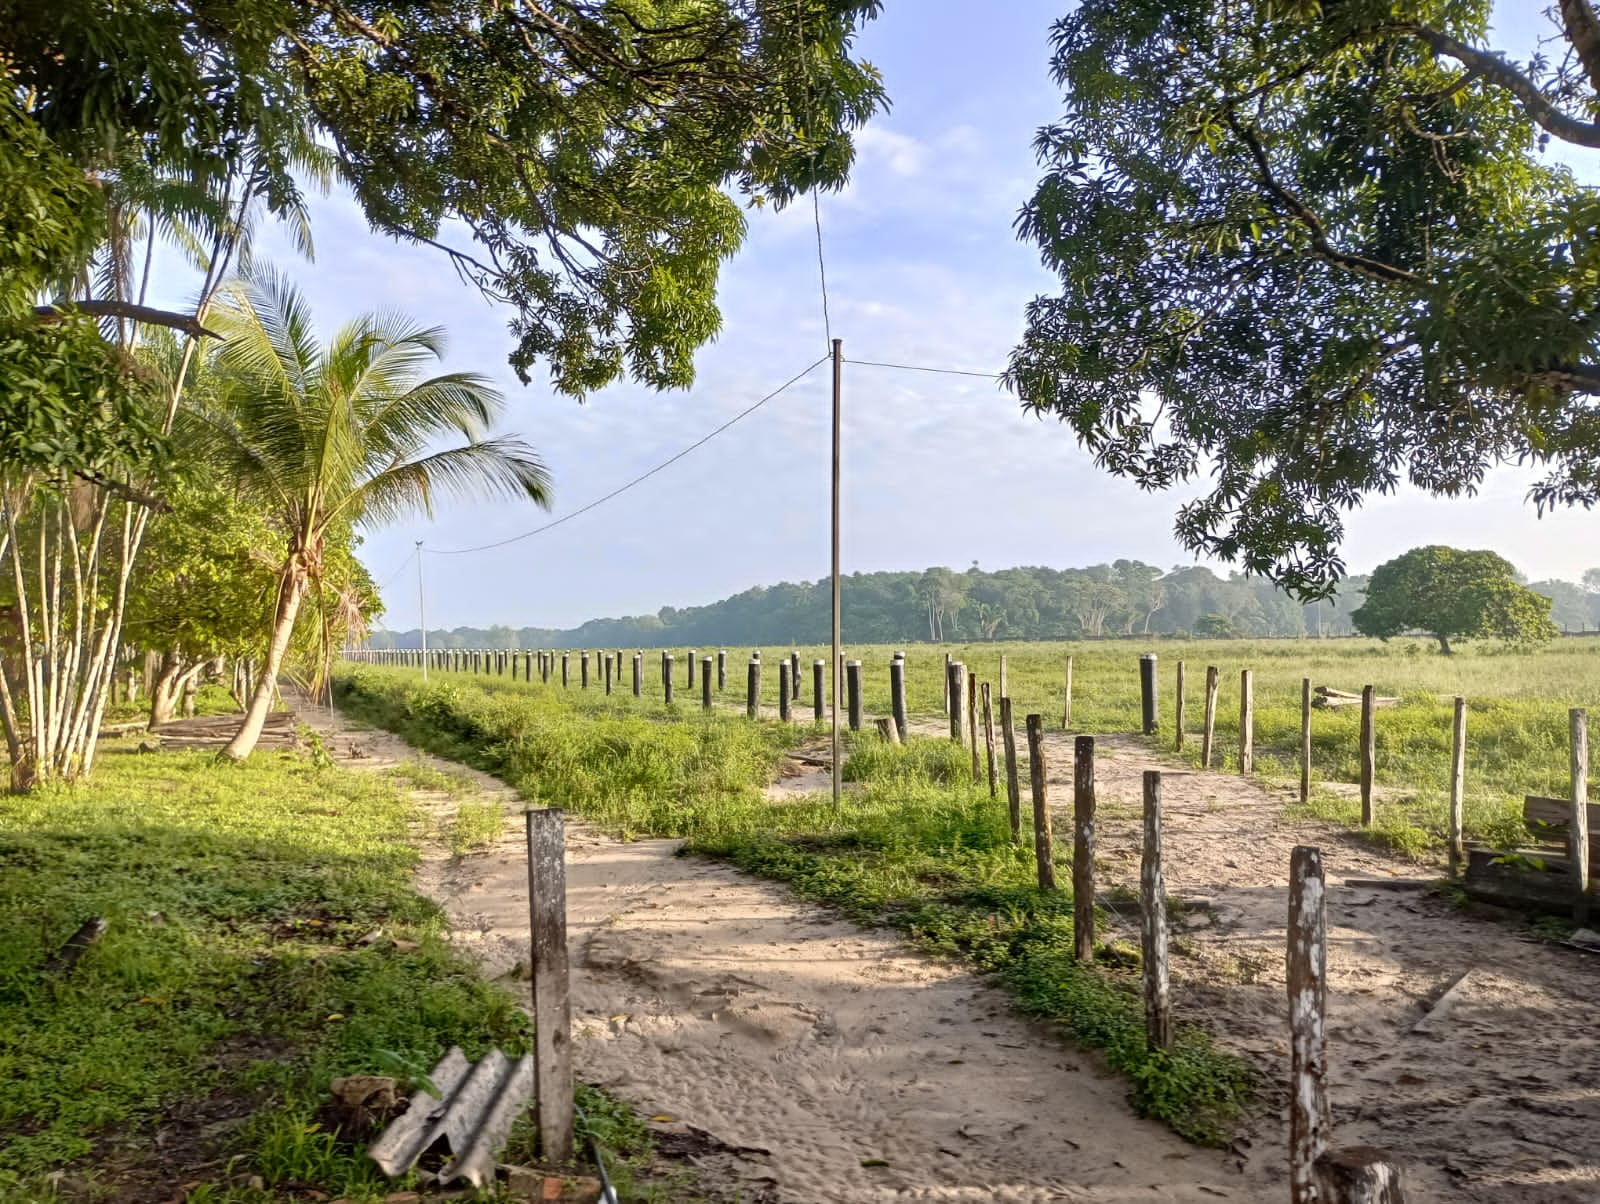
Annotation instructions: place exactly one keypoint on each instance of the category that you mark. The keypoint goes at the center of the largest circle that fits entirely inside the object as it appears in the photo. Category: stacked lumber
(1327, 699)
(1538, 876)
(214, 731)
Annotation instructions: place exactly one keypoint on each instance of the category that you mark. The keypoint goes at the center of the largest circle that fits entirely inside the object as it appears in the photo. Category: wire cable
(638, 480)
(390, 579)
(816, 194)
(995, 376)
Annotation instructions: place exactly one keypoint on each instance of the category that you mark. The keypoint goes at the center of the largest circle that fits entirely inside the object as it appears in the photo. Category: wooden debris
(1444, 1002)
(1388, 883)
(1327, 699)
(67, 956)
(215, 731)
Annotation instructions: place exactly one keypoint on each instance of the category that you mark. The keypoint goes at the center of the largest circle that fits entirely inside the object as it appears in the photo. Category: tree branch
(1501, 73)
(144, 314)
(1583, 31)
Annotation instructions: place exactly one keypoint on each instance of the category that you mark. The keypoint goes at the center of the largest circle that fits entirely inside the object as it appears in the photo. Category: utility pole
(422, 612)
(838, 374)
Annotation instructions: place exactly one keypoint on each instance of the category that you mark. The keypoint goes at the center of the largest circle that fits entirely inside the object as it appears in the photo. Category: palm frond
(503, 467)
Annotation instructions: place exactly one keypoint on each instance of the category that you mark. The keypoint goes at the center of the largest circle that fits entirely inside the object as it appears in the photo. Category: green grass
(237, 976)
(917, 848)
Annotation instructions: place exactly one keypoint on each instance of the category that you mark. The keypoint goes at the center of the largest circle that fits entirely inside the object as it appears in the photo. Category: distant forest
(1127, 598)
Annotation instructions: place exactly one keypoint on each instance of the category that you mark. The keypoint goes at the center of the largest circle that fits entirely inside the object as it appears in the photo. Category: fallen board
(1547, 820)
(214, 731)
(1526, 879)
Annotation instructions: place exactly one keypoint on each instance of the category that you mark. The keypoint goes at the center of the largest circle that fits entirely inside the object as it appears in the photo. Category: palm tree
(340, 435)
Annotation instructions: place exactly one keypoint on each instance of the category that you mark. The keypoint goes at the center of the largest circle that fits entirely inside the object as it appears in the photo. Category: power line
(924, 368)
(816, 194)
(638, 480)
(390, 579)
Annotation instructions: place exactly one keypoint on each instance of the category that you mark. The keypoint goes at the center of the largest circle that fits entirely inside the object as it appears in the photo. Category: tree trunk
(291, 588)
(164, 690)
(1444, 644)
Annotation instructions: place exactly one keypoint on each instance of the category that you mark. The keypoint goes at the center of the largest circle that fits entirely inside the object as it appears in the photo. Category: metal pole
(838, 374)
(422, 612)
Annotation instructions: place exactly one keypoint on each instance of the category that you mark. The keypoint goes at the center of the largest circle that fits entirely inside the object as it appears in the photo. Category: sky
(923, 267)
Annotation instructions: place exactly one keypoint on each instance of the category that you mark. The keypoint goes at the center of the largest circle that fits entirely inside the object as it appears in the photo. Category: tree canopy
(572, 157)
(1452, 594)
(1316, 250)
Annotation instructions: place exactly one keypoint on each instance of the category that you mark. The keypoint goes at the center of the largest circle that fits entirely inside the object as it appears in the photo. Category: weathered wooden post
(1177, 712)
(956, 689)
(1153, 916)
(705, 682)
(1003, 691)
(1359, 1175)
(887, 730)
(783, 689)
(1066, 711)
(1578, 825)
(583, 661)
(1008, 735)
(515, 657)
(1083, 847)
(897, 698)
(852, 672)
(1043, 851)
(1458, 778)
(1369, 754)
(1247, 722)
(1305, 740)
(1147, 694)
(552, 1005)
(794, 674)
(947, 681)
(819, 689)
(666, 678)
(1307, 967)
(988, 739)
(566, 659)
(722, 669)
(972, 725)
(752, 695)
(638, 674)
(1209, 732)
(693, 656)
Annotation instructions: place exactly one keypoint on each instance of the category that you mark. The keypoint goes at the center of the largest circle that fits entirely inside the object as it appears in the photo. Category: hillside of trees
(1127, 598)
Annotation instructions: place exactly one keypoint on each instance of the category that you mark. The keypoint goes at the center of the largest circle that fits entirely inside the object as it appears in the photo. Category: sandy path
(806, 1045)
(1498, 1100)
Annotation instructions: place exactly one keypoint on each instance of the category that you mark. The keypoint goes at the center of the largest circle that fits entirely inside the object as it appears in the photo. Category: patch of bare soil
(798, 1056)
(1494, 1098)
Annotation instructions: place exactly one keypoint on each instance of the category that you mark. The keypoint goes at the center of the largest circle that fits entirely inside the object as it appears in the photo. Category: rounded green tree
(1451, 594)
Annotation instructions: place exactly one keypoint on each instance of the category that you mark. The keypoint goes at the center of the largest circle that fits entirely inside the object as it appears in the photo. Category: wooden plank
(1444, 1002)
(1008, 733)
(988, 739)
(552, 1004)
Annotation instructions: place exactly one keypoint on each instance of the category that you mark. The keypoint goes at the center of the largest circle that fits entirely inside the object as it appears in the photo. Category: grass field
(1517, 705)
(264, 936)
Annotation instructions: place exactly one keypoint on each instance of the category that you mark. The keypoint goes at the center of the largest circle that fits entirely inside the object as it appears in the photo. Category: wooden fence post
(1043, 851)
(552, 1005)
(1307, 967)
(1578, 825)
(1209, 732)
(1359, 1176)
(1178, 717)
(722, 669)
(783, 689)
(584, 663)
(1247, 722)
(1008, 733)
(819, 689)
(1153, 914)
(957, 691)
(1369, 755)
(638, 674)
(610, 667)
(705, 683)
(752, 690)
(1066, 710)
(947, 680)
(972, 726)
(1458, 776)
(852, 674)
(794, 674)
(1003, 691)
(694, 656)
(666, 678)
(566, 669)
(1149, 721)
(897, 698)
(1305, 740)
(988, 739)
(1083, 847)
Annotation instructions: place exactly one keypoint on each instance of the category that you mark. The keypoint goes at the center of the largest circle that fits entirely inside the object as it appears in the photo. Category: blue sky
(923, 267)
